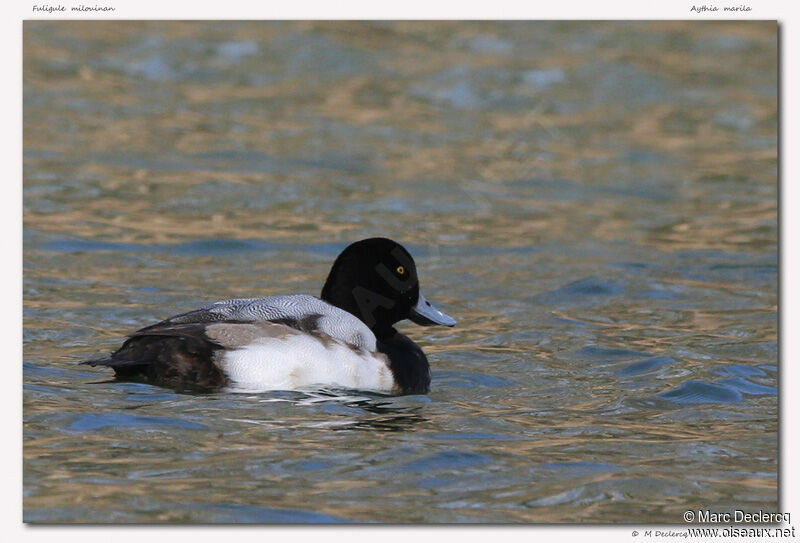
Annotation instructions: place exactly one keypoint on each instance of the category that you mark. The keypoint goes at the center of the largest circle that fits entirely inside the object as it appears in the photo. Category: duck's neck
(384, 332)
(409, 365)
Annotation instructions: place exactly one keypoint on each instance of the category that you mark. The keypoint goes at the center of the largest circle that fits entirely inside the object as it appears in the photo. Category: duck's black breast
(409, 365)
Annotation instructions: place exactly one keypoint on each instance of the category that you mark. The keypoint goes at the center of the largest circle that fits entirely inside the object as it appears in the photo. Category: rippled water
(595, 203)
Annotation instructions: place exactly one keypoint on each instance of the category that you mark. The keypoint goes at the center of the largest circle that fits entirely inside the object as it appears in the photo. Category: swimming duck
(345, 338)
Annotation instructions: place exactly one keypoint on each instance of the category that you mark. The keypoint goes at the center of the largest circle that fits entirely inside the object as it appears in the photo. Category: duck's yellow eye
(401, 270)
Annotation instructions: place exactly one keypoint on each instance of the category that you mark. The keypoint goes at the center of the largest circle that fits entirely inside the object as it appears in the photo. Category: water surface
(596, 203)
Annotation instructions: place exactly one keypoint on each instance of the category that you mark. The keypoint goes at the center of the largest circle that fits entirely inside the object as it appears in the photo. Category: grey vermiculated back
(335, 322)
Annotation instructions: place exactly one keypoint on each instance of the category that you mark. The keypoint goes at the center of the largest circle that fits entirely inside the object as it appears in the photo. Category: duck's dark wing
(184, 355)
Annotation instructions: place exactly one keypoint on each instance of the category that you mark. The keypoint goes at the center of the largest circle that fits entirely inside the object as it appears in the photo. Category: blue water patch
(236, 50)
(308, 52)
(457, 95)
(464, 379)
(212, 246)
(587, 287)
(771, 268)
(490, 44)
(637, 190)
(42, 389)
(741, 370)
(232, 161)
(437, 482)
(162, 397)
(445, 460)
(313, 465)
(254, 162)
(594, 288)
(635, 267)
(222, 246)
(571, 322)
(85, 245)
(539, 183)
(646, 365)
(709, 264)
(155, 68)
(29, 370)
(647, 157)
(601, 353)
(96, 421)
(656, 293)
(696, 391)
(218, 246)
(50, 373)
(570, 191)
(473, 435)
(542, 79)
(206, 246)
(147, 289)
(749, 388)
(580, 466)
(640, 87)
(249, 514)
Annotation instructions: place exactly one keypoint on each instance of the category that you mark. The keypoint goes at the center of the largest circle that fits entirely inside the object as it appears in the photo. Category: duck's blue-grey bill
(425, 314)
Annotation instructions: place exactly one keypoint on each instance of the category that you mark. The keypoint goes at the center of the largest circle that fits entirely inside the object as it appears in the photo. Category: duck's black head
(376, 280)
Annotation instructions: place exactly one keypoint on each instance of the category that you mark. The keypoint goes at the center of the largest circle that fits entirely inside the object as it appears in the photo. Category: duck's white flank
(298, 361)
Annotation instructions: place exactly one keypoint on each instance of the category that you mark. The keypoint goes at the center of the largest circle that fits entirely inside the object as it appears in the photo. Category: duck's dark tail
(122, 368)
(172, 355)
(108, 361)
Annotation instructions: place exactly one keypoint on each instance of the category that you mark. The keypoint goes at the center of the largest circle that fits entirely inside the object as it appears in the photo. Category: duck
(345, 338)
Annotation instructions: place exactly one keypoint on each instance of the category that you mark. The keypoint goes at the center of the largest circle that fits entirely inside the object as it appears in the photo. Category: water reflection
(358, 413)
